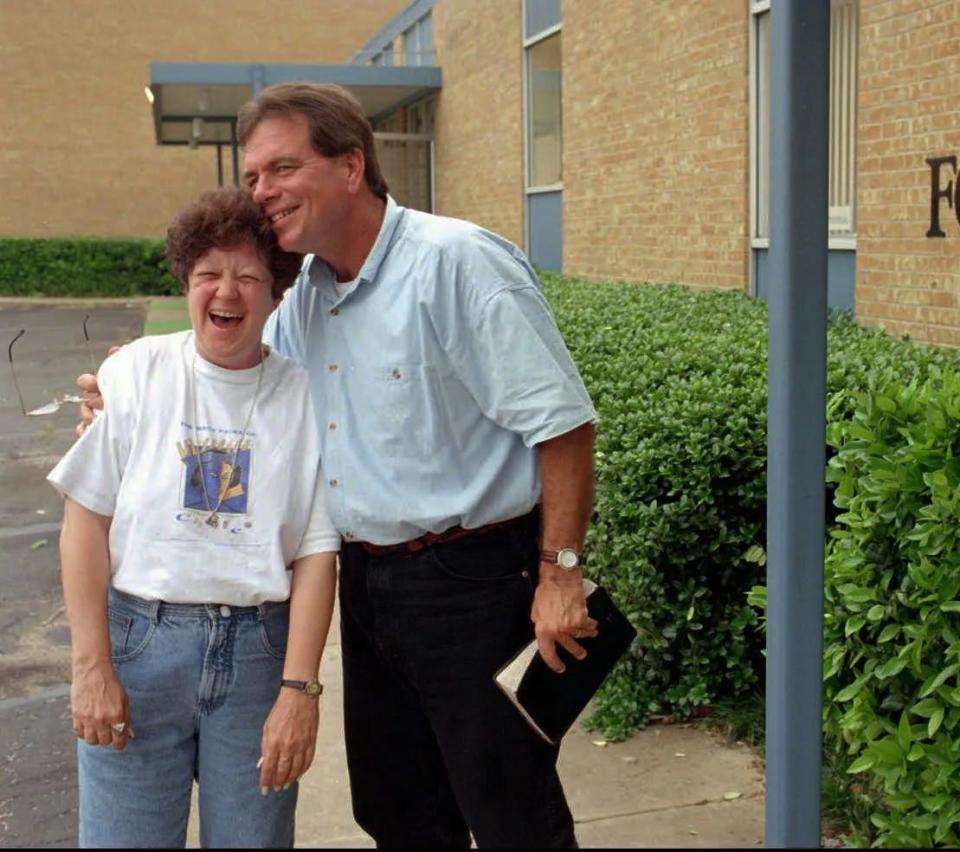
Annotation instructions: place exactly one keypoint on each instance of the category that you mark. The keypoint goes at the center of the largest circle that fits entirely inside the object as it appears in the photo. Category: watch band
(313, 688)
(566, 558)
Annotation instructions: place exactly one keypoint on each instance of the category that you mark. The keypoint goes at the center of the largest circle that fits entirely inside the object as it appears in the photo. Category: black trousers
(434, 750)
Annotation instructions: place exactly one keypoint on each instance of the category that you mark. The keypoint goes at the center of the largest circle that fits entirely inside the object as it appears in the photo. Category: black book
(551, 702)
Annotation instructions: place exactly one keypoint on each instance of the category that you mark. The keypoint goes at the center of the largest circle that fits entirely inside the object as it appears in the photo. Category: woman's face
(229, 300)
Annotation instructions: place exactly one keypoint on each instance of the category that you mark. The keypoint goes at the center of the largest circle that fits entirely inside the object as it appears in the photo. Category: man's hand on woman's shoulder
(92, 400)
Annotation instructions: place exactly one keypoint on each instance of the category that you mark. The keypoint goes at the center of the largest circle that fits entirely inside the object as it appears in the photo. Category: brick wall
(79, 155)
(655, 133)
(909, 110)
(478, 125)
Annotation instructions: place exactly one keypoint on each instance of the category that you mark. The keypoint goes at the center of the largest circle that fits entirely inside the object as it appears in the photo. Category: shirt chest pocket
(402, 409)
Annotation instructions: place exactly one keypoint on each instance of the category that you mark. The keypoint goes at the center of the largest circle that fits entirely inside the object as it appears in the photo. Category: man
(458, 454)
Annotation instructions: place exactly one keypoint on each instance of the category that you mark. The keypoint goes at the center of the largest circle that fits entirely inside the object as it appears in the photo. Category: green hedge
(84, 267)
(892, 619)
(679, 381)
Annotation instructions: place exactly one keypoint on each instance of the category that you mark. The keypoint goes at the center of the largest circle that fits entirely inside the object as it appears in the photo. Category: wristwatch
(566, 558)
(312, 688)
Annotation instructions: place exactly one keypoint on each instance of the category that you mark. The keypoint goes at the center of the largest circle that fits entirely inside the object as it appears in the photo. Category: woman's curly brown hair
(225, 218)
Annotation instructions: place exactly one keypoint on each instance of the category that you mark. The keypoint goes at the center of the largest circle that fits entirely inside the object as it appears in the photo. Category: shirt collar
(391, 218)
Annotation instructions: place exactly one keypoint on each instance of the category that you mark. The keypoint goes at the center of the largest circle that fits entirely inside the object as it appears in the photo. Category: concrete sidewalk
(669, 786)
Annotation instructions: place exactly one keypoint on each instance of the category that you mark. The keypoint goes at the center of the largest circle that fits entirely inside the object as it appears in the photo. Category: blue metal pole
(799, 94)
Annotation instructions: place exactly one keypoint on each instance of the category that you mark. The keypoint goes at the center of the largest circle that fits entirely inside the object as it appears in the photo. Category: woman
(199, 560)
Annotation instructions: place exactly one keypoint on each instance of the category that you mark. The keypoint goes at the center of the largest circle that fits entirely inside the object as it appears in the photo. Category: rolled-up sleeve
(519, 369)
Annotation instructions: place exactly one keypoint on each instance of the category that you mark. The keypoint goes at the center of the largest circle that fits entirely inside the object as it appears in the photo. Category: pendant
(213, 520)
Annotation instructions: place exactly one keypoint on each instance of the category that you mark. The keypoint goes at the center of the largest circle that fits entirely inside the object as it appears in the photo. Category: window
(761, 182)
(385, 57)
(544, 114)
(540, 15)
(543, 132)
(843, 125)
(420, 116)
(843, 115)
(418, 42)
(406, 40)
(411, 46)
(427, 56)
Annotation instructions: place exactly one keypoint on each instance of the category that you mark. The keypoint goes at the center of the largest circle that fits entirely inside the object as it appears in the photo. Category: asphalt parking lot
(37, 749)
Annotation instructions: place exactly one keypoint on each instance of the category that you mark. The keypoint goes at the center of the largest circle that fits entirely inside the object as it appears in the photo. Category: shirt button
(333, 426)
(396, 374)
(335, 312)
(225, 611)
(334, 483)
(332, 368)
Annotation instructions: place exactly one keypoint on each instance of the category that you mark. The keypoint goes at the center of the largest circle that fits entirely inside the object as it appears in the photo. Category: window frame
(837, 240)
(528, 44)
(411, 52)
(423, 52)
(384, 57)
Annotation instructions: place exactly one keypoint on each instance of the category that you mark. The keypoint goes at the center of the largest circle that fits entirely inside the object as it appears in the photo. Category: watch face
(568, 559)
(314, 688)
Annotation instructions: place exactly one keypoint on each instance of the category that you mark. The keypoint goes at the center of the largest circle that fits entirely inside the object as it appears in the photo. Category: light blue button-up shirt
(433, 376)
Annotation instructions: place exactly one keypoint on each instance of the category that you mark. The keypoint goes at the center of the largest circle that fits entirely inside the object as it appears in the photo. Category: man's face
(229, 299)
(304, 194)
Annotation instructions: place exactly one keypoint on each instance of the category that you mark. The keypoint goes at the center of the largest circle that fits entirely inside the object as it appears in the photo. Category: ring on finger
(118, 727)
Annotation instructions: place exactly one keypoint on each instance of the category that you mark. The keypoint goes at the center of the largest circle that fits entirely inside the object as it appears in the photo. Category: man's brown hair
(227, 218)
(335, 118)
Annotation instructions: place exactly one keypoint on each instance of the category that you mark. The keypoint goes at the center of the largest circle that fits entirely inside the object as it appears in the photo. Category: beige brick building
(611, 138)
(79, 155)
(655, 144)
(908, 112)
(665, 152)
(479, 115)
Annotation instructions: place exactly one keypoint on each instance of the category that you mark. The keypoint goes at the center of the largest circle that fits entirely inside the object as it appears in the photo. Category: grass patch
(167, 315)
(740, 719)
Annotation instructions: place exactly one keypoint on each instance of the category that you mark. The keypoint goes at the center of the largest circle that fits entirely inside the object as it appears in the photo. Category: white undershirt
(342, 286)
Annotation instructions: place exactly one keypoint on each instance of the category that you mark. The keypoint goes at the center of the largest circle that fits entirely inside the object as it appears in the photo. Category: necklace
(213, 519)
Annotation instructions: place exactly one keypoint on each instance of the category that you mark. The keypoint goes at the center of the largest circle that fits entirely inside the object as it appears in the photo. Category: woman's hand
(289, 739)
(99, 705)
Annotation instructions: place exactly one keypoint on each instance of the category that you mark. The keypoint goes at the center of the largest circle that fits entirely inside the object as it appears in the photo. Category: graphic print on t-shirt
(216, 476)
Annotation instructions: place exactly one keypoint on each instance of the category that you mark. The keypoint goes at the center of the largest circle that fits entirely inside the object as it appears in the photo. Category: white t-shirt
(144, 461)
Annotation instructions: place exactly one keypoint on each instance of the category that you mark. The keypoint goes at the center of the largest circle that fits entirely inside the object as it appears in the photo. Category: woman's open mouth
(225, 319)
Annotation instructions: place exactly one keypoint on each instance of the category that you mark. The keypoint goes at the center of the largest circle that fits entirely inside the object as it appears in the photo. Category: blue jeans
(434, 750)
(201, 680)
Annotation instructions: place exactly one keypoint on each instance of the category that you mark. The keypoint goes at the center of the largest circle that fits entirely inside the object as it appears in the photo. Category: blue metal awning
(196, 103)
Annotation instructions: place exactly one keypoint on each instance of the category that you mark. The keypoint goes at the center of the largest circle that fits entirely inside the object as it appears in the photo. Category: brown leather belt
(452, 534)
